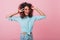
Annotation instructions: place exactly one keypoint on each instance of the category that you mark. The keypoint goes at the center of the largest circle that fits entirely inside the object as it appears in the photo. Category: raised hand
(20, 10)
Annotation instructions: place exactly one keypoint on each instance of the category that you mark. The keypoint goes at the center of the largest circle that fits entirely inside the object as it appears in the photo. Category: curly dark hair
(22, 5)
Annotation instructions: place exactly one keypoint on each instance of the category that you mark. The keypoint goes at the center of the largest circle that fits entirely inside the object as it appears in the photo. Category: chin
(26, 15)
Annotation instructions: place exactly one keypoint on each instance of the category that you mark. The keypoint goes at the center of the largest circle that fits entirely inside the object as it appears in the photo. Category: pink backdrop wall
(46, 29)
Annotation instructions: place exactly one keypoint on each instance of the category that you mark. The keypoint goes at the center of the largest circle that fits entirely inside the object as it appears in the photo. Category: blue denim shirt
(26, 23)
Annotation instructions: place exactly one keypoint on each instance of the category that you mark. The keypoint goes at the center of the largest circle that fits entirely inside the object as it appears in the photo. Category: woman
(26, 19)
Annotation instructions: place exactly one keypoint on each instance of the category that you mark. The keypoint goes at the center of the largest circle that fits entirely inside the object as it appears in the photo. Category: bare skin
(39, 11)
(34, 8)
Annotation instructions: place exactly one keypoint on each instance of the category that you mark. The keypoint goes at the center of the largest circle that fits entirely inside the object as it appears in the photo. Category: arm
(10, 15)
(39, 11)
(13, 14)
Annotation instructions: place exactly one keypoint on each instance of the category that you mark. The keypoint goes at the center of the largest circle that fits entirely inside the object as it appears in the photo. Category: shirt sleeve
(39, 17)
(13, 18)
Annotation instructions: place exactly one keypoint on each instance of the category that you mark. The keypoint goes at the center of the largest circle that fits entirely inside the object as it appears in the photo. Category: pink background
(46, 29)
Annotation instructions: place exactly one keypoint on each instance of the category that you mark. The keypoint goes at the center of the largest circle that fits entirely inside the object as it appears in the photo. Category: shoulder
(38, 17)
(15, 17)
(33, 17)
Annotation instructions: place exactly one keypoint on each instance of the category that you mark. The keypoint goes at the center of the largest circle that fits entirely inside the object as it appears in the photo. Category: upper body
(26, 23)
(26, 18)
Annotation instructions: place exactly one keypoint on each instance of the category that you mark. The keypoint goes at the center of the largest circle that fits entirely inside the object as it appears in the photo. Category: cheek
(28, 11)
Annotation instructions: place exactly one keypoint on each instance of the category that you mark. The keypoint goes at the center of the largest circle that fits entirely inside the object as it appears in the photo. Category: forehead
(26, 7)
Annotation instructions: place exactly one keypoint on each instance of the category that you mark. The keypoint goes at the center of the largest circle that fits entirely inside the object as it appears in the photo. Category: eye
(26, 9)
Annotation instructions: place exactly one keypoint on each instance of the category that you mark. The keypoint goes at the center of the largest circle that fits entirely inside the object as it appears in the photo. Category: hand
(20, 10)
(33, 8)
(24, 33)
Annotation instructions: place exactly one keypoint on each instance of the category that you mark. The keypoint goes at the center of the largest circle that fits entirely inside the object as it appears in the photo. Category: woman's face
(26, 10)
